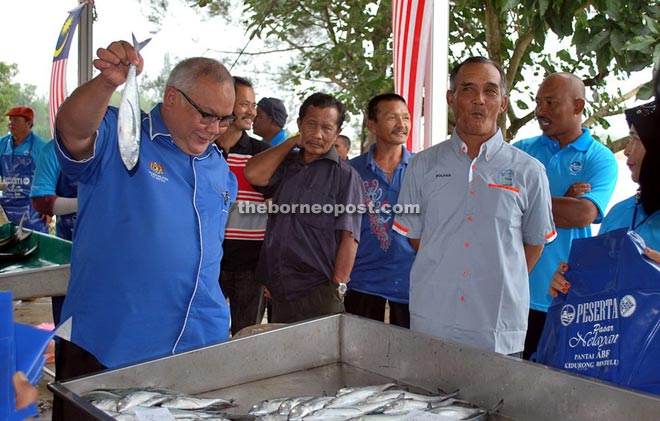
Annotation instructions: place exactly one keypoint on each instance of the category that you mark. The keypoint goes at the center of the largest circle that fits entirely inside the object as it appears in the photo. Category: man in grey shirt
(313, 231)
(485, 217)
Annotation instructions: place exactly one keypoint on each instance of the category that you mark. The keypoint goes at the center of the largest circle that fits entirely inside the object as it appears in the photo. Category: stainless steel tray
(325, 354)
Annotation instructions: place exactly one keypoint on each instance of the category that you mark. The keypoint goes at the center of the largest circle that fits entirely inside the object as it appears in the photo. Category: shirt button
(465, 273)
(462, 298)
(474, 166)
(472, 193)
(467, 244)
(469, 219)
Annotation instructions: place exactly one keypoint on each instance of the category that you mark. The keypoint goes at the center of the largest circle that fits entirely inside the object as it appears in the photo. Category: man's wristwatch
(342, 288)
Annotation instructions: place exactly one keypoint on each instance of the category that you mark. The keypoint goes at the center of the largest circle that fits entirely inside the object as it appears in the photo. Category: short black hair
(242, 81)
(321, 100)
(477, 59)
(372, 108)
(347, 141)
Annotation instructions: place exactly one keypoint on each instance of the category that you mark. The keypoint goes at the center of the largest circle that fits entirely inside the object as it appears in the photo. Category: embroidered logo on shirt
(575, 167)
(156, 168)
(506, 178)
(440, 175)
(156, 171)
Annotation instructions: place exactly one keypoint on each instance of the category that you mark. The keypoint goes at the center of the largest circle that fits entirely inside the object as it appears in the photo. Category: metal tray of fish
(323, 355)
(44, 274)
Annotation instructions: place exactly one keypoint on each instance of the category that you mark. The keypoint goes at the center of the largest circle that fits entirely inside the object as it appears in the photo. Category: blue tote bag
(608, 324)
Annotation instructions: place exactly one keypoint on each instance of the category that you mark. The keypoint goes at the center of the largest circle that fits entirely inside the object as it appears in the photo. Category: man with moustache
(245, 230)
(485, 215)
(381, 273)
(312, 235)
(582, 173)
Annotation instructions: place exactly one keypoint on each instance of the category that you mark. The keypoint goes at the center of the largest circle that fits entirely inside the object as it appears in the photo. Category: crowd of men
(176, 243)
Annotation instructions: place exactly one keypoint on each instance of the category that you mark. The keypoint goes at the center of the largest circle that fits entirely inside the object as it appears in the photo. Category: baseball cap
(21, 112)
(274, 108)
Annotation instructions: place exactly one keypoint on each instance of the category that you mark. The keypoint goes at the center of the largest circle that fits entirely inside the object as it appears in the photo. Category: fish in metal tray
(128, 125)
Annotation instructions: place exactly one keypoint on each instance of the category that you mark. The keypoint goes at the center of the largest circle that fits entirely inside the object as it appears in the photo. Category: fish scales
(130, 115)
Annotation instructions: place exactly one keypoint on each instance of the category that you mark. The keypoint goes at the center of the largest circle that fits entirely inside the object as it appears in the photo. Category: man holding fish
(146, 260)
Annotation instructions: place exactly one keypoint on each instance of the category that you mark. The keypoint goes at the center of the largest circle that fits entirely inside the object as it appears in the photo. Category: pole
(85, 43)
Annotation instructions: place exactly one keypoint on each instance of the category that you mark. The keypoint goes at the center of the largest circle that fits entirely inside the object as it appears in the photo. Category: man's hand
(113, 62)
(577, 190)
(25, 392)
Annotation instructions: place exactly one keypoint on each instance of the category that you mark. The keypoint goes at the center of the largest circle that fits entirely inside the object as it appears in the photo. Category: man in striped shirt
(247, 224)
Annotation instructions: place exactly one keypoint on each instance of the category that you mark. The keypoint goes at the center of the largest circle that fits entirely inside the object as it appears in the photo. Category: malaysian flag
(411, 26)
(58, 91)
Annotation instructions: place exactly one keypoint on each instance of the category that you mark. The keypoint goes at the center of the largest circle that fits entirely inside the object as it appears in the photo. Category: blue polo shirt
(278, 138)
(584, 160)
(621, 216)
(47, 172)
(384, 257)
(146, 260)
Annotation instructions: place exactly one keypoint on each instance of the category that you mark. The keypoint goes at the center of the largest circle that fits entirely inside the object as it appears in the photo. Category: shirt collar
(372, 162)
(332, 155)
(488, 149)
(581, 144)
(156, 124)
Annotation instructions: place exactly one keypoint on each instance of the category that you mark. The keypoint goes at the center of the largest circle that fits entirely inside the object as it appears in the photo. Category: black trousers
(72, 361)
(320, 301)
(373, 307)
(246, 298)
(535, 323)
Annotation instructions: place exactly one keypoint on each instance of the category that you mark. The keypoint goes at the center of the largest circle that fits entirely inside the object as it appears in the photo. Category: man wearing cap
(270, 121)
(20, 152)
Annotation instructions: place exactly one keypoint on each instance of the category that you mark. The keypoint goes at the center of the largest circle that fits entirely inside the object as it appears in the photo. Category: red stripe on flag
(57, 90)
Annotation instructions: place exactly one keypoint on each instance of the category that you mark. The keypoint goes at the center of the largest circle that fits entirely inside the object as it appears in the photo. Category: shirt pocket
(317, 209)
(505, 203)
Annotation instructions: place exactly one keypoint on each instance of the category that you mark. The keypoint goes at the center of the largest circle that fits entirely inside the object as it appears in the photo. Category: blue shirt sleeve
(603, 174)
(46, 173)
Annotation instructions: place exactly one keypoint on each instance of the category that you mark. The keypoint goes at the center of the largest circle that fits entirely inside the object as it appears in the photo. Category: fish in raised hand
(128, 125)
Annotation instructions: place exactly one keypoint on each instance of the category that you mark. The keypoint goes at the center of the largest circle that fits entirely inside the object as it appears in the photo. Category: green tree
(14, 94)
(349, 44)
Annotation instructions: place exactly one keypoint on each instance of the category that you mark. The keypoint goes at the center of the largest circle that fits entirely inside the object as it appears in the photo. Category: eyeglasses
(208, 118)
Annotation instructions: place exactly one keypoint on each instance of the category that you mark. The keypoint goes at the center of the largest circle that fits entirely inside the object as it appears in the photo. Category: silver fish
(460, 412)
(192, 403)
(403, 406)
(301, 410)
(107, 405)
(135, 399)
(356, 395)
(128, 125)
(266, 406)
(285, 407)
(329, 414)
(388, 394)
(377, 388)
